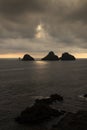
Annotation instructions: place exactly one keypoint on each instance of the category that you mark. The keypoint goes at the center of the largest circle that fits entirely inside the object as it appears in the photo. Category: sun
(40, 31)
(39, 27)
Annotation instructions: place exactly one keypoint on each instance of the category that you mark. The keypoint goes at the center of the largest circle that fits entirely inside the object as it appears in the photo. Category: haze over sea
(23, 82)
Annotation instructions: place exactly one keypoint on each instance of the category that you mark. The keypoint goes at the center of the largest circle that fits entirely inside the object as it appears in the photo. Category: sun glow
(81, 55)
(39, 27)
(38, 55)
(11, 55)
(40, 32)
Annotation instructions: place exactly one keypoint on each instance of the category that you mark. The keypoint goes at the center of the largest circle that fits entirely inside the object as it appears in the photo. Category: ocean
(22, 82)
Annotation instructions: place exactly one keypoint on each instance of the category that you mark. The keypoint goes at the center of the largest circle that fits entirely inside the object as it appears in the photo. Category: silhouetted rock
(51, 56)
(67, 56)
(27, 58)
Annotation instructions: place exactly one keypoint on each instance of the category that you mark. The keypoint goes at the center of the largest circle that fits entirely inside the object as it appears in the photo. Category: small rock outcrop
(27, 57)
(49, 100)
(51, 57)
(67, 56)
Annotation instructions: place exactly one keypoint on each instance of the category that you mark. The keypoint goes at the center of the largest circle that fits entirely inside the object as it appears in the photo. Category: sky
(39, 26)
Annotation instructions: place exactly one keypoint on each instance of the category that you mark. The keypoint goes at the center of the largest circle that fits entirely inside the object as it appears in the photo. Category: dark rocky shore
(73, 121)
(42, 111)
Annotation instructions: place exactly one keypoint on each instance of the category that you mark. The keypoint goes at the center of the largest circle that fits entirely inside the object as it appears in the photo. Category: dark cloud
(79, 12)
(64, 22)
(15, 7)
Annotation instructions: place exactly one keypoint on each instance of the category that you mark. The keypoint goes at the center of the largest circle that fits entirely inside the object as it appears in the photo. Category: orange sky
(37, 55)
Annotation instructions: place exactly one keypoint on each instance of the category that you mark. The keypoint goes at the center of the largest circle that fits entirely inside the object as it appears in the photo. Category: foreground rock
(72, 121)
(56, 97)
(27, 58)
(67, 56)
(40, 112)
(37, 114)
(51, 57)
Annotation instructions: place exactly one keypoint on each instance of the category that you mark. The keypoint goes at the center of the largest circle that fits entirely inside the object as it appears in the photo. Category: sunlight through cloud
(41, 32)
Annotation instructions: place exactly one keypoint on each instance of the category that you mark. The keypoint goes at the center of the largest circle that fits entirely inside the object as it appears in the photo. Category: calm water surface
(22, 82)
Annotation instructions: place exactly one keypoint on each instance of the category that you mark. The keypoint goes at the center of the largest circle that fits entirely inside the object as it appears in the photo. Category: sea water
(22, 82)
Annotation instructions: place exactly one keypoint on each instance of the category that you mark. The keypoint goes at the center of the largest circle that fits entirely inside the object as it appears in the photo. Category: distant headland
(51, 57)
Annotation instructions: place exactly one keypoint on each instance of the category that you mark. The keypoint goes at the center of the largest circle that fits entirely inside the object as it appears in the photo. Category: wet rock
(41, 111)
(56, 97)
(37, 114)
(49, 100)
(46, 101)
(73, 121)
(51, 57)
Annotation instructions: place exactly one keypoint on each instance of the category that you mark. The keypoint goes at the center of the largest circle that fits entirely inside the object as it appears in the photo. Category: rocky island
(27, 57)
(67, 56)
(50, 57)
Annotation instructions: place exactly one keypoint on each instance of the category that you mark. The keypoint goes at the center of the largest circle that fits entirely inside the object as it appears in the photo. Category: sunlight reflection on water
(41, 62)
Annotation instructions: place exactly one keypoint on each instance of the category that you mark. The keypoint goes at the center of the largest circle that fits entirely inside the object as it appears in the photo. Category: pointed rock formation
(67, 56)
(27, 58)
(51, 57)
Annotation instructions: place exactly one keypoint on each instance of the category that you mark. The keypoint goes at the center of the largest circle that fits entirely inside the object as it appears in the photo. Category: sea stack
(27, 57)
(50, 57)
(67, 56)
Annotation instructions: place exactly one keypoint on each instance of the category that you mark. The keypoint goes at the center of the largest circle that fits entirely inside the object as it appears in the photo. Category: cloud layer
(64, 24)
